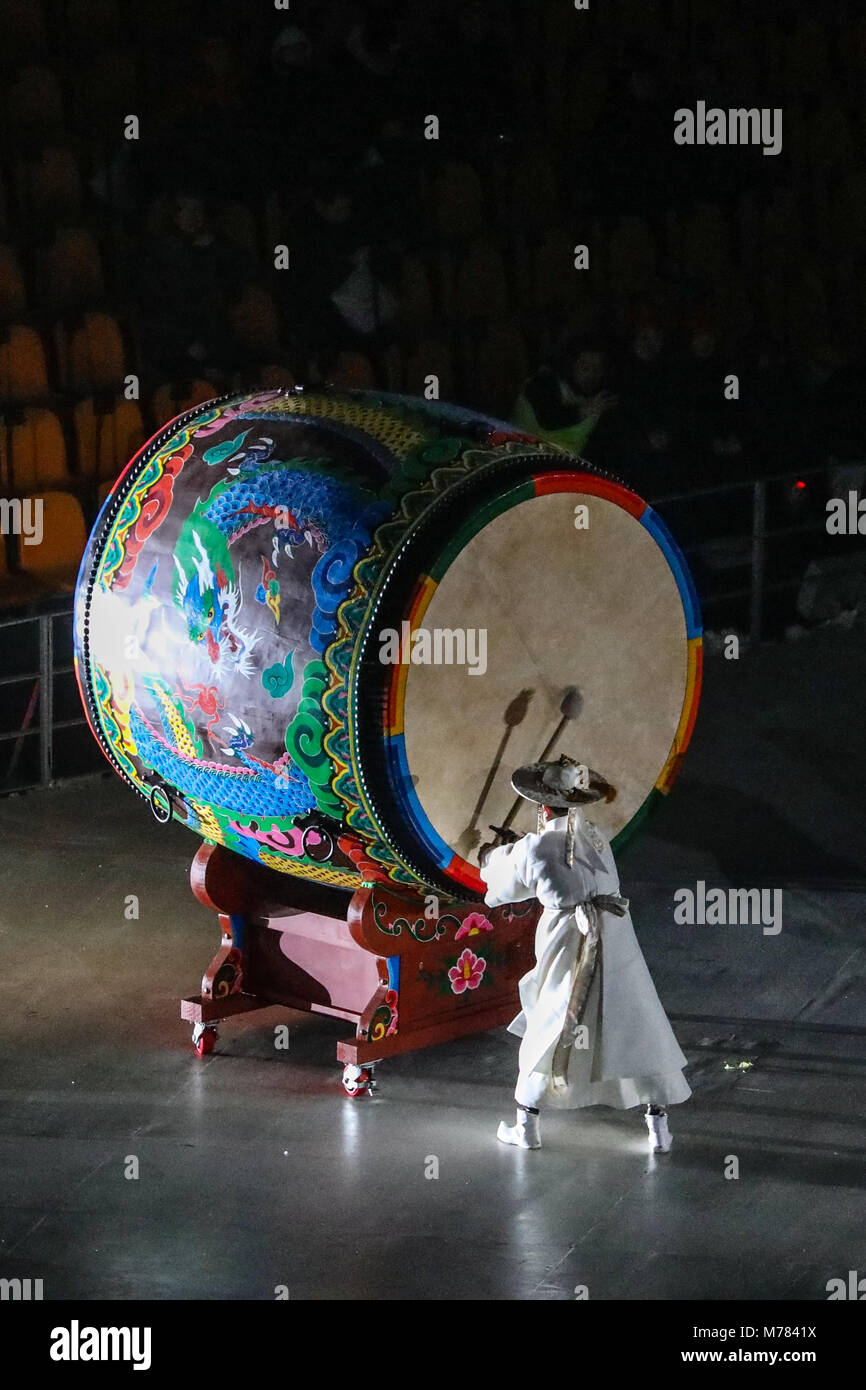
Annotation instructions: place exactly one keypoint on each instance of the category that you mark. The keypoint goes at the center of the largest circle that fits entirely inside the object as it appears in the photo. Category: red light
(799, 483)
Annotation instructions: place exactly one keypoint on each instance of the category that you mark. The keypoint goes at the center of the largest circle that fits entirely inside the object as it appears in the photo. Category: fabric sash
(584, 973)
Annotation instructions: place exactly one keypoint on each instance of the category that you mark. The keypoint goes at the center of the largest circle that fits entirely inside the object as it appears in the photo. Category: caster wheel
(203, 1039)
(357, 1081)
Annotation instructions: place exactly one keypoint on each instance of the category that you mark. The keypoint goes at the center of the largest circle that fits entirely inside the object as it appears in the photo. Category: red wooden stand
(406, 971)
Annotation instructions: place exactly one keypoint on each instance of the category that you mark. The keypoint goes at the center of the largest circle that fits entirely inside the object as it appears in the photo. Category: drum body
(322, 629)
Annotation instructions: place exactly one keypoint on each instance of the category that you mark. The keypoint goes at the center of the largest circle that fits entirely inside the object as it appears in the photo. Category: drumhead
(562, 590)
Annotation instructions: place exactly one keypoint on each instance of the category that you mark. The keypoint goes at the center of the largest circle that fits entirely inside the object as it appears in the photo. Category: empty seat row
(90, 357)
(101, 435)
(34, 452)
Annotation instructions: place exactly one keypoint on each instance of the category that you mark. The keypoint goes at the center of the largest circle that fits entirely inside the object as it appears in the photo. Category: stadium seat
(23, 28)
(92, 21)
(53, 188)
(856, 49)
(831, 140)
(13, 296)
(846, 220)
(430, 357)
(34, 452)
(255, 320)
(482, 288)
(445, 292)
(807, 317)
(105, 88)
(705, 242)
(501, 366)
(557, 27)
(732, 304)
(806, 71)
(639, 20)
(533, 192)
(236, 222)
(393, 366)
(748, 224)
(106, 438)
(631, 255)
(56, 559)
(458, 202)
(353, 369)
(274, 377)
(772, 298)
(91, 355)
(555, 281)
(170, 399)
(23, 373)
(35, 108)
(415, 294)
(782, 230)
(587, 89)
(163, 17)
(72, 270)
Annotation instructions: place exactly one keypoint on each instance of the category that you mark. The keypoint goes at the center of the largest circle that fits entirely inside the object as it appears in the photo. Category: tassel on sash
(584, 972)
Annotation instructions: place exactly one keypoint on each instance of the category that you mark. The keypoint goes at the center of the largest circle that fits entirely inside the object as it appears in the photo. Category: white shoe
(523, 1134)
(660, 1137)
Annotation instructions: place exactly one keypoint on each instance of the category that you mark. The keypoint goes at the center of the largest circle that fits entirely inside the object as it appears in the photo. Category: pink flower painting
(468, 971)
(473, 924)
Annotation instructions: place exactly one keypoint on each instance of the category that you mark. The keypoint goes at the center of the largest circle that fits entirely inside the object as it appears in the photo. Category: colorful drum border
(454, 866)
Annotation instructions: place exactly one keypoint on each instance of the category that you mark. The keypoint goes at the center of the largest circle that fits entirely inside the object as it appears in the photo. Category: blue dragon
(302, 505)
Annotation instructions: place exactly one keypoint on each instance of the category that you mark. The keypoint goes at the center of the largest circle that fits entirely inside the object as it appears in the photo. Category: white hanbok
(631, 1056)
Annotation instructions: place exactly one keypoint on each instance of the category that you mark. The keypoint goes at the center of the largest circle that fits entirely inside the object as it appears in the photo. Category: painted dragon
(175, 751)
(301, 505)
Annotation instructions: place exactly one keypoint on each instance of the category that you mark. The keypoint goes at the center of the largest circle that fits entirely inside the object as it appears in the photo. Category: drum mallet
(569, 707)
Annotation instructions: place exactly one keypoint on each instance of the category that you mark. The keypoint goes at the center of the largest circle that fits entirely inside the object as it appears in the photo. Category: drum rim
(88, 574)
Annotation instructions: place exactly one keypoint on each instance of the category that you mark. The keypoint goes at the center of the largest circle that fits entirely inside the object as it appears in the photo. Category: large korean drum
(321, 629)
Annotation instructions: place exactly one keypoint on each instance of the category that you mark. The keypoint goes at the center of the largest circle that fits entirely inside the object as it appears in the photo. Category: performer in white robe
(593, 1029)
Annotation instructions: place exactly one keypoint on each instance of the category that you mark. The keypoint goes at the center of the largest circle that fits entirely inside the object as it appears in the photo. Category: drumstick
(569, 707)
(515, 714)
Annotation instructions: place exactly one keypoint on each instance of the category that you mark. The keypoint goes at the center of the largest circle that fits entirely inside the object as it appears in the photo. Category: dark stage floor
(256, 1171)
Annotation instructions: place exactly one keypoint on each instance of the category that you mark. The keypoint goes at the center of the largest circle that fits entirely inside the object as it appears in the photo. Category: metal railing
(45, 726)
(754, 543)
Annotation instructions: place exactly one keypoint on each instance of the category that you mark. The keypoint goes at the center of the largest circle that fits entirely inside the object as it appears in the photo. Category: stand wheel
(358, 1081)
(204, 1036)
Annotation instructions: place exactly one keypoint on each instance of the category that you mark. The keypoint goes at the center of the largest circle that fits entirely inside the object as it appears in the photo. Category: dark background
(260, 127)
(305, 128)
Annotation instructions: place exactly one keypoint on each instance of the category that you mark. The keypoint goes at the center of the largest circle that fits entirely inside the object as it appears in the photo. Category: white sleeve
(508, 873)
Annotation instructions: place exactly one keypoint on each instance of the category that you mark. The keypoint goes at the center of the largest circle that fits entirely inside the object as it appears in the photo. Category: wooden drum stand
(406, 970)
